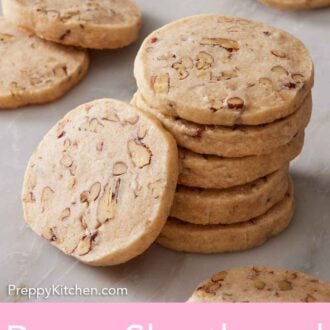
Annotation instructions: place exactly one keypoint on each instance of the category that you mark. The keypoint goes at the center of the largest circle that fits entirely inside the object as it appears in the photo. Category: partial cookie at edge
(296, 4)
(34, 71)
(261, 284)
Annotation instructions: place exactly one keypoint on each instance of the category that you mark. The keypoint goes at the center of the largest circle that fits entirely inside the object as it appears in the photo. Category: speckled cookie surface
(232, 205)
(238, 141)
(182, 236)
(261, 284)
(216, 172)
(206, 69)
(297, 4)
(35, 71)
(101, 183)
(89, 24)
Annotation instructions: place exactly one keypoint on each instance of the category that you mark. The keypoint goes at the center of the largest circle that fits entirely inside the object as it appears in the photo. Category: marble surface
(159, 274)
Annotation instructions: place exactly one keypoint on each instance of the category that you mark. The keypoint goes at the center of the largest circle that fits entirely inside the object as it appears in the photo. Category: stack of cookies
(236, 95)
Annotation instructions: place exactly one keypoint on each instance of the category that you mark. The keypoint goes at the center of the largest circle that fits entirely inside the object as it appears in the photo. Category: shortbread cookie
(232, 205)
(182, 236)
(217, 70)
(101, 183)
(215, 172)
(261, 284)
(35, 71)
(297, 4)
(89, 24)
(237, 141)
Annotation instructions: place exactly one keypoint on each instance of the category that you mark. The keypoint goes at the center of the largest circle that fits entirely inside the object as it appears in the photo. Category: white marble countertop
(159, 274)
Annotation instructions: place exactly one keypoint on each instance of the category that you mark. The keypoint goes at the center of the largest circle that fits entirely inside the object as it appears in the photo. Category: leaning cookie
(96, 24)
(182, 236)
(232, 205)
(101, 183)
(206, 69)
(261, 284)
(296, 4)
(207, 171)
(237, 141)
(35, 71)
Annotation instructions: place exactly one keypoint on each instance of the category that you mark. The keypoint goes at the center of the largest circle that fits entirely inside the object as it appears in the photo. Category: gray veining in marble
(161, 275)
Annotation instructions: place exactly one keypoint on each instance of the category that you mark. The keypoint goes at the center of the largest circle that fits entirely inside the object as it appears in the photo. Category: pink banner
(164, 317)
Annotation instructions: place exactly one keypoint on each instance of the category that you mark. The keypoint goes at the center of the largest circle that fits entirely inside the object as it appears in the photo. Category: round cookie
(96, 24)
(101, 183)
(35, 71)
(217, 70)
(232, 205)
(216, 172)
(258, 284)
(237, 141)
(296, 4)
(182, 236)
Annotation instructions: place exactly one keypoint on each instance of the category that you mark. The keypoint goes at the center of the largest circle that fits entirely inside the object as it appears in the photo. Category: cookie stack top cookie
(217, 70)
